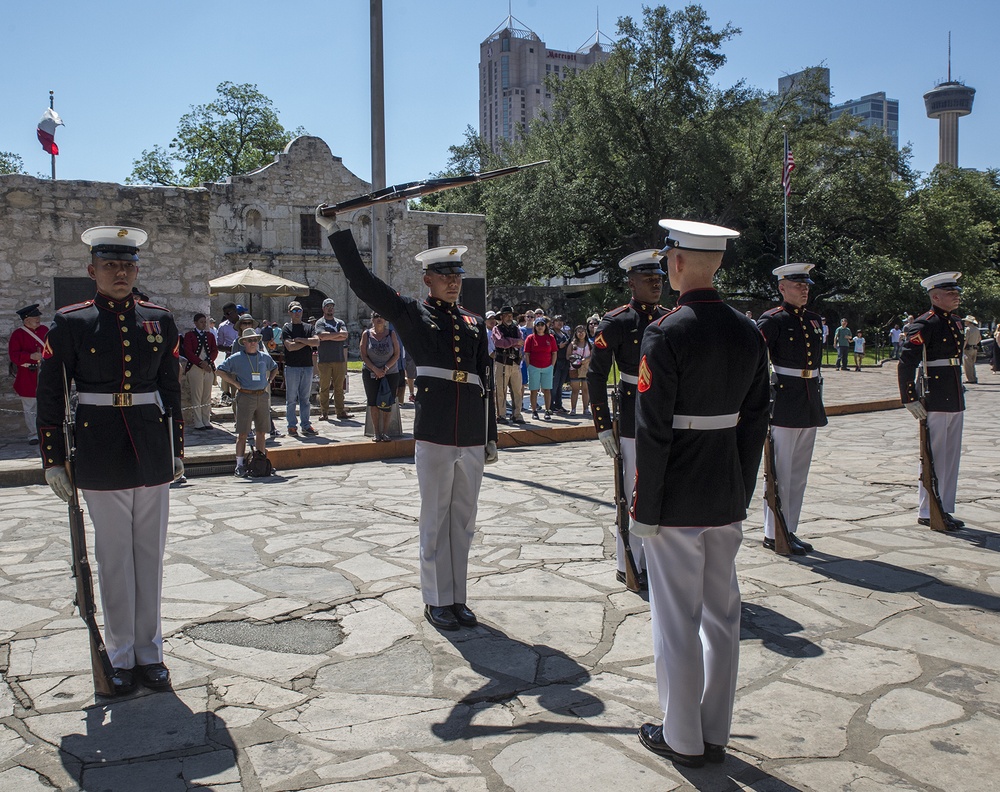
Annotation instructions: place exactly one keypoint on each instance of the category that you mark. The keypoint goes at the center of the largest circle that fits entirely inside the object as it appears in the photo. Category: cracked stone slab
(847, 776)
(782, 721)
(573, 761)
(904, 710)
(836, 669)
(953, 757)
(923, 636)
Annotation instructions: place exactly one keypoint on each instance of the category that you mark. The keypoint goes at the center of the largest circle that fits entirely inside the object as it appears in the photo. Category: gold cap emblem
(453, 251)
(123, 232)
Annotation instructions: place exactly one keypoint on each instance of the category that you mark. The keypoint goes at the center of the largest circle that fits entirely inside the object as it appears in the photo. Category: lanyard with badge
(254, 375)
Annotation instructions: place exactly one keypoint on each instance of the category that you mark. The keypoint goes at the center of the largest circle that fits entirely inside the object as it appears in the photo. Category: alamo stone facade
(264, 218)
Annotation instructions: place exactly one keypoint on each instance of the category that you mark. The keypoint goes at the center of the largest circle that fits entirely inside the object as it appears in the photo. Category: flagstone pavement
(300, 658)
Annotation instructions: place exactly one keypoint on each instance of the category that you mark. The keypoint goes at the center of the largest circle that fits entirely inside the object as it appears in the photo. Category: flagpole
(52, 106)
(784, 189)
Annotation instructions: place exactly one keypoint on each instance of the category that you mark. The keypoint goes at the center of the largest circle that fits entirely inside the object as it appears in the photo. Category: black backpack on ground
(259, 466)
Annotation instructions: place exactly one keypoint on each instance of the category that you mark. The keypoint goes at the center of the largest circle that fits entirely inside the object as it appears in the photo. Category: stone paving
(300, 658)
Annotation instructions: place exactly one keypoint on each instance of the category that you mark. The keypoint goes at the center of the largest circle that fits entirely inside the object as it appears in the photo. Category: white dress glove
(642, 529)
(58, 479)
(607, 438)
(330, 224)
(917, 410)
(491, 452)
(178, 468)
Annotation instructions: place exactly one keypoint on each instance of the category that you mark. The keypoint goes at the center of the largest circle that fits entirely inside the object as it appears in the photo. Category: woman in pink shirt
(540, 349)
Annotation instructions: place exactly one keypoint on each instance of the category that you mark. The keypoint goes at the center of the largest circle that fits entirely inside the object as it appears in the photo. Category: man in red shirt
(25, 350)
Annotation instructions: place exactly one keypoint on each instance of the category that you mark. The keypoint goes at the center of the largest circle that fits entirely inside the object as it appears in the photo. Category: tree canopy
(646, 135)
(237, 133)
(11, 163)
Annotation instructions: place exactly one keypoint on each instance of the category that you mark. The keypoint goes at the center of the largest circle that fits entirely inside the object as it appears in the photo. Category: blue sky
(124, 72)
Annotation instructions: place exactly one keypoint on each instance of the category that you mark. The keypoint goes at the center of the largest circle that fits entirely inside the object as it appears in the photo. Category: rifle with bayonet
(782, 542)
(621, 500)
(928, 477)
(408, 190)
(100, 664)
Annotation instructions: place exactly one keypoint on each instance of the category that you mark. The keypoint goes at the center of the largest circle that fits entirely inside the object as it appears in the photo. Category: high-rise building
(874, 110)
(513, 65)
(814, 81)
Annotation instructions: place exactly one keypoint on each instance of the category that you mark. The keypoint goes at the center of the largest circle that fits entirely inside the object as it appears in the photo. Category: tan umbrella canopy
(250, 281)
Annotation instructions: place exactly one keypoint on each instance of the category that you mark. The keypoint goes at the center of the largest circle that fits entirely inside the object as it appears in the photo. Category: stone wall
(196, 234)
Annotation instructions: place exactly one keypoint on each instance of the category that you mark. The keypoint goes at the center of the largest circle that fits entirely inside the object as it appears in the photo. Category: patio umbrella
(250, 281)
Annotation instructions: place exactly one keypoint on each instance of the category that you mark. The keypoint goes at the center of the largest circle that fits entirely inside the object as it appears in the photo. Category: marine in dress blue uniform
(701, 420)
(934, 345)
(794, 337)
(616, 341)
(455, 433)
(122, 354)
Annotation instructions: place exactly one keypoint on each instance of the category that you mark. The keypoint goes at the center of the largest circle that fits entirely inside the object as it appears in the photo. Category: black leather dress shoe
(796, 549)
(651, 736)
(716, 754)
(122, 682)
(794, 540)
(441, 616)
(463, 615)
(154, 676)
(955, 521)
(622, 578)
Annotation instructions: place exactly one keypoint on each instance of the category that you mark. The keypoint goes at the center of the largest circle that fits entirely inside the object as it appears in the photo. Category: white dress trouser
(694, 602)
(29, 406)
(635, 542)
(793, 451)
(945, 429)
(201, 383)
(130, 532)
(449, 478)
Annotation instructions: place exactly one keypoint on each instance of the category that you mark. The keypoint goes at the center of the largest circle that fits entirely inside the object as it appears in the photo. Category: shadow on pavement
(133, 743)
(513, 668)
(775, 631)
(880, 576)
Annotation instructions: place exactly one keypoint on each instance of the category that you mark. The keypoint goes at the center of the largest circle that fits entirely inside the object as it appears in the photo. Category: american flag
(786, 171)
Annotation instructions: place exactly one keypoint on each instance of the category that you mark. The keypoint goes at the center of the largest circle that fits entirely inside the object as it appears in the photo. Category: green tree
(11, 163)
(237, 133)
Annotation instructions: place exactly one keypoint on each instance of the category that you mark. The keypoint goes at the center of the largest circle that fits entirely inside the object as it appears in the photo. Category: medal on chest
(152, 330)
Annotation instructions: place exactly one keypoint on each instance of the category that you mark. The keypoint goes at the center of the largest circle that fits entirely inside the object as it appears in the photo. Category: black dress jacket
(941, 334)
(617, 341)
(704, 358)
(794, 339)
(113, 346)
(436, 333)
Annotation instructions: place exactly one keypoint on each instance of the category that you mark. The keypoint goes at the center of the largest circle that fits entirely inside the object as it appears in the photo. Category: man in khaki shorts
(250, 372)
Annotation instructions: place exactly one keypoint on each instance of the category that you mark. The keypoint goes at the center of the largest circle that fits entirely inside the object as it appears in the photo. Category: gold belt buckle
(121, 399)
(460, 376)
(807, 373)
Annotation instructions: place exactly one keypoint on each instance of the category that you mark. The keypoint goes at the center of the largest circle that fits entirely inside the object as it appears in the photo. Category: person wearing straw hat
(616, 343)
(794, 337)
(122, 354)
(701, 419)
(973, 338)
(454, 427)
(934, 344)
(249, 372)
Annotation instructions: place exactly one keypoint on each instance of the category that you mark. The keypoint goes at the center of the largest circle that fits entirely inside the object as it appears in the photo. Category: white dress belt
(631, 379)
(792, 372)
(943, 362)
(452, 375)
(702, 423)
(121, 399)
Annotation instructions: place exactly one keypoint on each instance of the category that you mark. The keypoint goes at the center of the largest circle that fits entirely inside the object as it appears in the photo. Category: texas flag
(47, 130)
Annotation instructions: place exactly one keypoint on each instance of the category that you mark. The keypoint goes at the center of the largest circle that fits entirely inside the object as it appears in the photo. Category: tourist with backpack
(250, 372)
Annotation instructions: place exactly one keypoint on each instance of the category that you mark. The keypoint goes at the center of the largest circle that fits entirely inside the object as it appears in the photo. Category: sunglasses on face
(295, 310)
